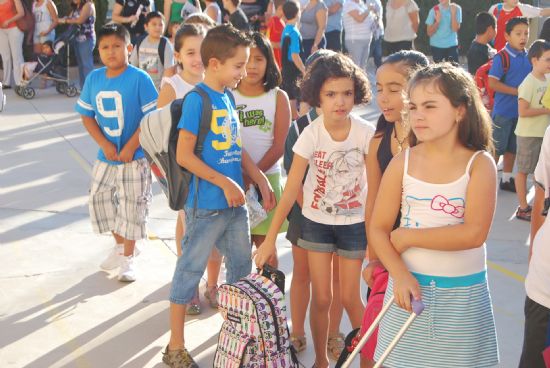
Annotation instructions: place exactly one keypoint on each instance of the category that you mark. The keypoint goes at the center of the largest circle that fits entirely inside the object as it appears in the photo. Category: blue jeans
(504, 134)
(84, 52)
(376, 51)
(228, 229)
(446, 54)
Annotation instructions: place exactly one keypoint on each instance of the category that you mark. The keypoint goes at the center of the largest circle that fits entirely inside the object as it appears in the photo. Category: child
(509, 9)
(237, 17)
(443, 23)
(216, 214)
(445, 185)
(537, 301)
(112, 103)
(389, 140)
(30, 67)
(264, 115)
(146, 53)
(480, 50)
(291, 48)
(532, 121)
(212, 9)
(275, 28)
(505, 84)
(172, 30)
(335, 147)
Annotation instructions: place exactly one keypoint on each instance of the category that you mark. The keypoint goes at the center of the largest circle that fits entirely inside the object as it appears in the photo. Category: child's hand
(437, 16)
(264, 254)
(43, 34)
(268, 196)
(233, 193)
(399, 240)
(369, 271)
(405, 287)
(453, 10)
(126, 154)
(109, 150)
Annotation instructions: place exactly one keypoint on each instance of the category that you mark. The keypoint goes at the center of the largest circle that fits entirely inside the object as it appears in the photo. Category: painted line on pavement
(81, 161)
(505, 271)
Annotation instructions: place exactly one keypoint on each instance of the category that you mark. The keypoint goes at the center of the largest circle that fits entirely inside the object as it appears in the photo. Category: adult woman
(255, 12)
(333, 33)
(83, 14)
(313, 23)
(358, 23)
(11, 40)
(402, 21)
(45, 21)
(131, 13)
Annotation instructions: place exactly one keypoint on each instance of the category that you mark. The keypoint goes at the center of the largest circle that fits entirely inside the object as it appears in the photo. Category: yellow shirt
(532, 91)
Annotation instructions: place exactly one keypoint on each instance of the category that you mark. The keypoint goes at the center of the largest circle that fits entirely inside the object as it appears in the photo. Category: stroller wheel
(60, 87)
(71, 91)
(28, 93)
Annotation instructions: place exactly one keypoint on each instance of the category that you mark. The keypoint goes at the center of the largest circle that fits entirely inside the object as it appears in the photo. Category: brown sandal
(299, 343)
(335, 345)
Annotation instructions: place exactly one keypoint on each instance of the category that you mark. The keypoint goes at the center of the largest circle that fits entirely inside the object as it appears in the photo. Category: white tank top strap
(406, 167)
(471, 161)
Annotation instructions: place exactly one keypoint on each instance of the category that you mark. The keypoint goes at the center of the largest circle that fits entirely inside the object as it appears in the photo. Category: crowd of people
(413, 194)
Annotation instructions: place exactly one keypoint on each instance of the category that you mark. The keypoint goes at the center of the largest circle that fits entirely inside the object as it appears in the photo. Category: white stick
(395, 340)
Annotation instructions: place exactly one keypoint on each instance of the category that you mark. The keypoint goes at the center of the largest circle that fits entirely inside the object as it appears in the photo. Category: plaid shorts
(527, 154)
(120, 197)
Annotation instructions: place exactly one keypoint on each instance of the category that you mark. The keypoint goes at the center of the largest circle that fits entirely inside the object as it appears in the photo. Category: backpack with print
(159, 138)
(482, 78)
(255, 331)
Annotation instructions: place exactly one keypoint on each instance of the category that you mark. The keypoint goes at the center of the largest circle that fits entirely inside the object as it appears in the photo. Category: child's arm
(434, 17)
(260, 179)
(501, 87)
(525, 110)
(456, 17)
(298, 62)
(478, 216)
(166, 95)
(386, 208)
(537, 219)
(293, 183)
(127, 152)
(108, 148)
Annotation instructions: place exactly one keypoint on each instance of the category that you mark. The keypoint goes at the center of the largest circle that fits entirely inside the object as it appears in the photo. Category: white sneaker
(113, 260)
(127, 271)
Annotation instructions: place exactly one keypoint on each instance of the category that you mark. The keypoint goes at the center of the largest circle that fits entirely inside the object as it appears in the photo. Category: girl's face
(432, 117)
(256, 67)
(390, 97)
(337, 98)
(190, 55)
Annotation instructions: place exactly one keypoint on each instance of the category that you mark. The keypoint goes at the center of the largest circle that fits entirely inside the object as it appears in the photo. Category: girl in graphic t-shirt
(335, 147)
(445, 186)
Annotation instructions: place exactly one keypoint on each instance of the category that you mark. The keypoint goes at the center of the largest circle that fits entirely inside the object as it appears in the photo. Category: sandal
(211, 294)
(194, 306)
(524, 213)
(299, 343)
(335, 345)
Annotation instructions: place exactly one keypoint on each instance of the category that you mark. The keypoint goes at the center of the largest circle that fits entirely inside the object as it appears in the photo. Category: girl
(389, 139)
(335, 147)
(187, 46)
(264, 114)
(445, 185)
(45, 17)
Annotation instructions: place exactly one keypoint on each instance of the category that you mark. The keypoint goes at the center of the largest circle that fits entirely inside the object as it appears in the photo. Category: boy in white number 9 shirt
(113, 101)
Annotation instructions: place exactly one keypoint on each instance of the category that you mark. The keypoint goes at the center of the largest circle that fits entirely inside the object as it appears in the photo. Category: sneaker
(178, 358)
(211, 294)
(524, 213)
(509, 186)
(127, 271)
(114, 258)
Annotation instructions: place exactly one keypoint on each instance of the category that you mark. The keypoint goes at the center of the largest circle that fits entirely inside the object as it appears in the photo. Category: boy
(537, 282)
(30, 67)
(291, 47)
(146, 53)
(443, 23)
(216, 214)
(509, 9)
(480, 51)
(112, 103)
(505, 110)
(532, 121)
(275, 30)
(237, 17)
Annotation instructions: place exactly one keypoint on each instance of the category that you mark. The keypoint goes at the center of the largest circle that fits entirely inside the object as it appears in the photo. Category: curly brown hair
(330, 67)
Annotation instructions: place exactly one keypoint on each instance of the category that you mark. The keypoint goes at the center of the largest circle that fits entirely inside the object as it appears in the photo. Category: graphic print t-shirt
(335, 189)
(148, 59)
(222, 145)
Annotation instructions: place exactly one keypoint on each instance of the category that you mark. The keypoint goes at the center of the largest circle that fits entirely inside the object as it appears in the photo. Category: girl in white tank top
(445, 186)
(212, 9)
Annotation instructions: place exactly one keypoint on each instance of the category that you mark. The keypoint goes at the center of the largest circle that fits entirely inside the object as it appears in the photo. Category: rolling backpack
(482, 78)
(255, 331)
(159, 138)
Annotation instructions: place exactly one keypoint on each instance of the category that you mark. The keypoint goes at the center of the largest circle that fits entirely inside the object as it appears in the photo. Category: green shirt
(532, 90)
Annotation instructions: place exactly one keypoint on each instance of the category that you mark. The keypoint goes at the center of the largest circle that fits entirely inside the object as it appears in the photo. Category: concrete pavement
(58, 309)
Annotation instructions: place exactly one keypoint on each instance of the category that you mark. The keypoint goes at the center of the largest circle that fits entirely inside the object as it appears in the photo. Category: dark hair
(484, 20)
(236, 2)
(458, 86)
(538, 47)
(290, 9)
(333, 66)
(200, 18)
(152, 15)
(514, 22)
(221, 42)
(272, 76)
(113, 29)
(277, 3)
(48, 43)
(408, 61)
(316, 55)
(187, 30)
(545, 31)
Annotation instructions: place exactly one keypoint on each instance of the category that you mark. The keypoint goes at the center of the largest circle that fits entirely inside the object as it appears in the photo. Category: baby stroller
(54, 68)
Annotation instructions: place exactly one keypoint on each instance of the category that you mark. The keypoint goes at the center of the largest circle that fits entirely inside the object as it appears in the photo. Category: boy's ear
(130, 48)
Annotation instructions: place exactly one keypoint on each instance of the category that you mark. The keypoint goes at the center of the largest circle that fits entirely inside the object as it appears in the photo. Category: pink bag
(374, 306)
(546, 356)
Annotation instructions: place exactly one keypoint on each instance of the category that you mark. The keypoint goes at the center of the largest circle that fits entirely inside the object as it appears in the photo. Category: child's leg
(235, 244)
(521, 189)
(336, 308)
(180, 231)
(299, 290)
(350, 289)
(213, 268)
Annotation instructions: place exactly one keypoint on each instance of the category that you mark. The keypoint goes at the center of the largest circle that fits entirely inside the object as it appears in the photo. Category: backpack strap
(138, 44)
(497, 10)
(505, 60)
(162, 47)
(206, 117)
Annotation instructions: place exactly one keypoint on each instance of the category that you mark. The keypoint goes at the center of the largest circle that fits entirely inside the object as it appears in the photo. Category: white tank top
(42, 17)
(257, 119)
(219, 11)
(426, 205)
(180, 86)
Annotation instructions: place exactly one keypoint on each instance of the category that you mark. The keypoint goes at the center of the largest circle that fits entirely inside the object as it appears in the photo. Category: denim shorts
(348, 241)
(503, 134)
(228, 230)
